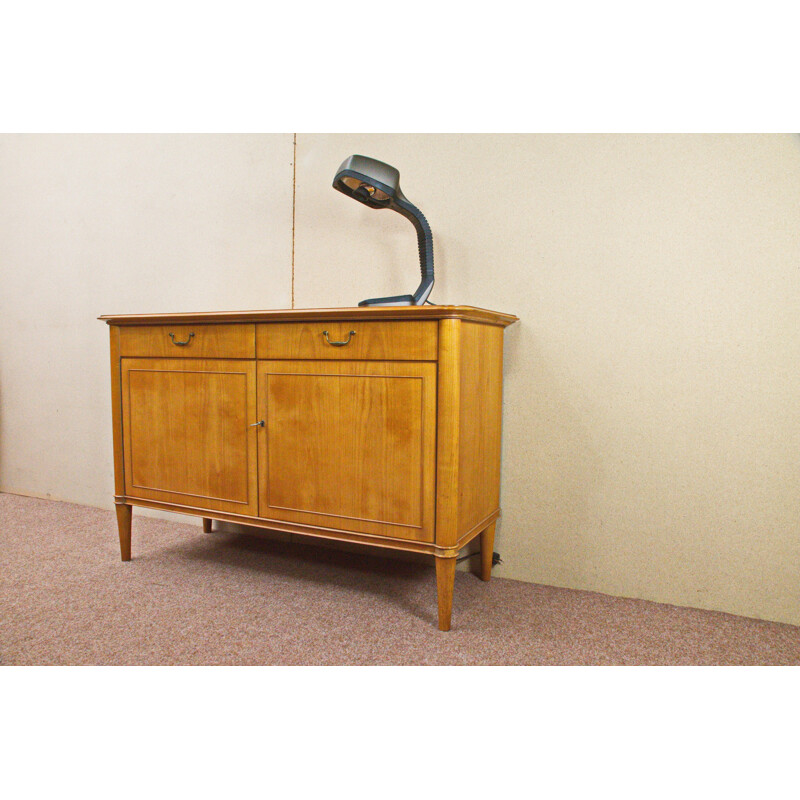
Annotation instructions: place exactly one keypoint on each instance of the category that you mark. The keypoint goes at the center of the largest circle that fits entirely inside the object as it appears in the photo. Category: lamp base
(398, 300)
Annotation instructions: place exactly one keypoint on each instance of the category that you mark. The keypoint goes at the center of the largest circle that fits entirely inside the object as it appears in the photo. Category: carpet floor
(232, 598)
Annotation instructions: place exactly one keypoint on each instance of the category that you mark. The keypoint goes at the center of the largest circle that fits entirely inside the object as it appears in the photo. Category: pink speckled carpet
(231, 598)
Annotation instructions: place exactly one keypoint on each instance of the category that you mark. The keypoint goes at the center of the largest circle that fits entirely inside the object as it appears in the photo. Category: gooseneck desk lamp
(377, 185)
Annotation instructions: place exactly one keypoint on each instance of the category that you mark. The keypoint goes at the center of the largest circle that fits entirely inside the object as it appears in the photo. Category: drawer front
(188, 341)
(413, 340)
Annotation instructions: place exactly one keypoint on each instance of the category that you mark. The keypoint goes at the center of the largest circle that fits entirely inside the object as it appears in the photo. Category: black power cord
(495, 557)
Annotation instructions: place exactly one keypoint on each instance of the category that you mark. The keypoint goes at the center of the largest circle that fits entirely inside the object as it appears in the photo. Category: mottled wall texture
(652, 386)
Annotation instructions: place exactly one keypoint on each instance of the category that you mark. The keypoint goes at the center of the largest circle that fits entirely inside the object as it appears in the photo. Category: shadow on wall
(550, 468)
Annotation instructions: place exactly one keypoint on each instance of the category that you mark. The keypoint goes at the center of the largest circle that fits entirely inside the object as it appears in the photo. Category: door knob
(259, 424)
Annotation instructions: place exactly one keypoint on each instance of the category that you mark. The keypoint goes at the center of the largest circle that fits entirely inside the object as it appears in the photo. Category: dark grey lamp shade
(377, 185)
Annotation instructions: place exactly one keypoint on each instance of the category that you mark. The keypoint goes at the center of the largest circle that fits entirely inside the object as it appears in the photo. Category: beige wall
(652, 429)
(652, 407)
(97, 224)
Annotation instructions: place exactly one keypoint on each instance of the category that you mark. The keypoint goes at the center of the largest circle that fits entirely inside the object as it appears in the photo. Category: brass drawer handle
(181, 344)
(339, 344)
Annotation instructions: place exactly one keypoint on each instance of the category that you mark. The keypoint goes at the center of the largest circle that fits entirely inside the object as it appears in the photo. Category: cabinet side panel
(116, 411)
(448, 433)
(480, 417)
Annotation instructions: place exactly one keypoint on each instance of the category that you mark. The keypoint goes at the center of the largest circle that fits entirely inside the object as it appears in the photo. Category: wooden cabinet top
(304, 314)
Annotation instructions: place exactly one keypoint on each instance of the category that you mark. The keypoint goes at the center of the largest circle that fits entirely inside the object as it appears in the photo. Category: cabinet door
(349, 445)
(187, 438)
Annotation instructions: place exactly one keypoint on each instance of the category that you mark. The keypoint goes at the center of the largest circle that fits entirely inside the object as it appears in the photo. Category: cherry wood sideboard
(373, 425)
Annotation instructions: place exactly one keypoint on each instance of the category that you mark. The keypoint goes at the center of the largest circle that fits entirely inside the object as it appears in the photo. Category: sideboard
(376, 425)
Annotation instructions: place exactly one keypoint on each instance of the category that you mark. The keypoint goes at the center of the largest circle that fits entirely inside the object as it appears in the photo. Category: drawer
(412, 340)
(188, 341)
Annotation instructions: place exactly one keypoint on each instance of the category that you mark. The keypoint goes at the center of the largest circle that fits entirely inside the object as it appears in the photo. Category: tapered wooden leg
(487, 550)
(124, 514)
(206, 525)
(445, 580)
